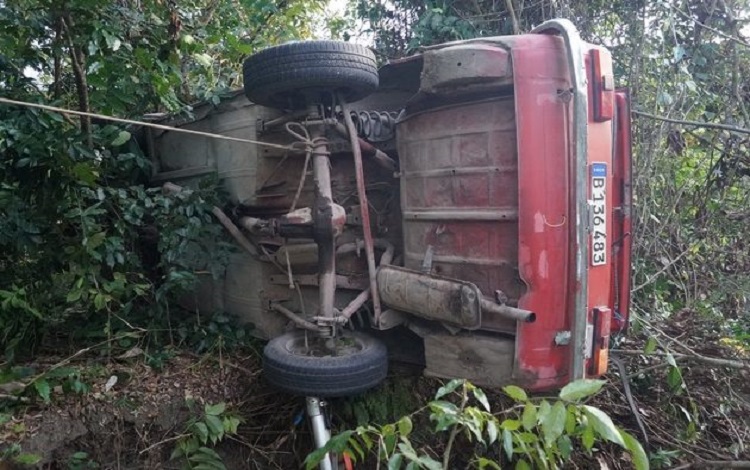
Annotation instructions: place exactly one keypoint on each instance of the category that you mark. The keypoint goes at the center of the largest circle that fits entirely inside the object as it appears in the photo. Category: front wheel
(325, 367)
(298, 74)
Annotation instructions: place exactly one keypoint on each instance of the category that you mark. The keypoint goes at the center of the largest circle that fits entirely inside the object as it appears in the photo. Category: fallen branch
(715, 361)
(631, 402)
(242, 369)
(3, 396)
(653, 277)
(707, 125)
(722, 464)
(169, 439)
(80, 352)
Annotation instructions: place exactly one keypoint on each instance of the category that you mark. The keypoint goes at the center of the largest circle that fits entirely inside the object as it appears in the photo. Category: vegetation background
(91, 257)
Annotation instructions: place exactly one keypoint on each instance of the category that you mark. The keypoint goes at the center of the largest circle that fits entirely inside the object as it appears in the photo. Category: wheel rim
(309, 345)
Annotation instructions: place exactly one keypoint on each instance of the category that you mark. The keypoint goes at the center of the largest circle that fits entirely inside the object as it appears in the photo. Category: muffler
(441, 299)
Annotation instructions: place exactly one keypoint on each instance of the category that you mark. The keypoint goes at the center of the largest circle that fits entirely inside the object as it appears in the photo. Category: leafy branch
(536, 433)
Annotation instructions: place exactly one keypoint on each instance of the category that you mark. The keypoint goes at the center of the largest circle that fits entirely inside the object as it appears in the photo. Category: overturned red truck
(467, 208)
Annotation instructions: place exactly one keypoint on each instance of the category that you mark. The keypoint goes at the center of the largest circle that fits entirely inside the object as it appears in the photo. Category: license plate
(598, 214)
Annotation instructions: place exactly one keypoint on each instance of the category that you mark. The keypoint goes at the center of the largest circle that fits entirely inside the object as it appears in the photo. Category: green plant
(13, 453)
(210, 427)
(388, 402)
(86, 248)
(536, 433)
(81, 461)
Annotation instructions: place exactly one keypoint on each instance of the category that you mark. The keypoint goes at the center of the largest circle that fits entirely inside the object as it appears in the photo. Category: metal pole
(321, 434)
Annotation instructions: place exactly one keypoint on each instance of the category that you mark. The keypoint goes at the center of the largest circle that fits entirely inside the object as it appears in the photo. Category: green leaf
(389, 441)
(176, 453)
(448, 388)
(394, 463)
(603, 425)
(650, 346)
(511, 424)
(208, 466)
(522, 465)
(674, 378)
(231, 424)
(528, 418)
(43, 389)
(579, 389)
(189, 446)
(201, 432)
(670, 360)
(73, 295)
(640, 459)
(543, 411)
(121, 138)
(100, 301)
(491, 431)
(484, 463)
(354, 445)
(314, 458)
(570, 420)
(203, 59)
(481, 398)
(27, 459)
(337, 444)
(565, 446)
(408, 451)
(516, 393)
(366, 440)
(210, 462)
(508, 444)
(554, 424)
(215, 427)
(405, 426)
(664, 98)
(216, 410)
(429, 463)
(209, 452)
(587, 438)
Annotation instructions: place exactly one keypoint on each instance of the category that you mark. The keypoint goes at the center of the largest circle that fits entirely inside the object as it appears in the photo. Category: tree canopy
(73, 200)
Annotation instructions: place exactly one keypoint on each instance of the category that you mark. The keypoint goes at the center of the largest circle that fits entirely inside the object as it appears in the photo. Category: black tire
(361, 369)
(298, 74)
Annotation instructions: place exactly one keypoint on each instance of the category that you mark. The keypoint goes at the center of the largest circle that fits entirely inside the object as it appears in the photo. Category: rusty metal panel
(480, 358)
(465, 65)
(459, 183)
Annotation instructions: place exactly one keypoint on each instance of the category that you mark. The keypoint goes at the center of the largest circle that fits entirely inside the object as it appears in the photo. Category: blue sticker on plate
(598, 170)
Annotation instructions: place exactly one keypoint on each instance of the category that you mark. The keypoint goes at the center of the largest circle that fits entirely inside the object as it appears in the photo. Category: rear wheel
(298, 74)
(325, 367)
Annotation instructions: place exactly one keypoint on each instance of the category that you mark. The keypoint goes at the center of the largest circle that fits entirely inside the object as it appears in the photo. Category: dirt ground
(135, 422)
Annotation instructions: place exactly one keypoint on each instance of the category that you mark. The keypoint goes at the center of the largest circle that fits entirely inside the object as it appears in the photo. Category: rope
(304, 137)
(145, 124)
(310, 145)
